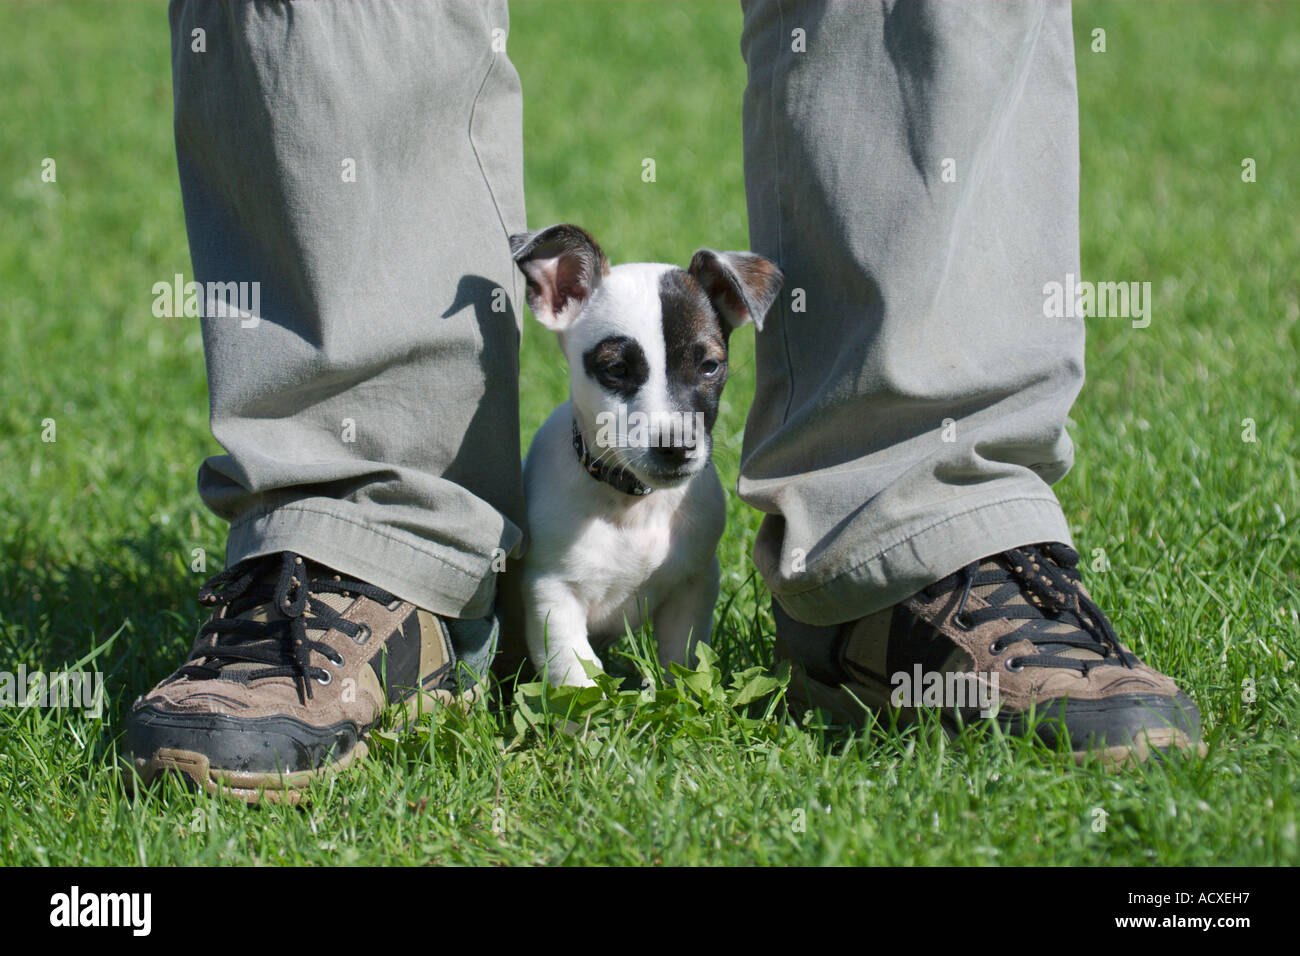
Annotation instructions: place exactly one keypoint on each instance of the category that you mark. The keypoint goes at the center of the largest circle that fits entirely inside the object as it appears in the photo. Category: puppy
(625, 509)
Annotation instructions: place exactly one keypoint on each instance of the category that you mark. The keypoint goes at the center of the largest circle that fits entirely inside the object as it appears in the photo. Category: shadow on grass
(139, 593)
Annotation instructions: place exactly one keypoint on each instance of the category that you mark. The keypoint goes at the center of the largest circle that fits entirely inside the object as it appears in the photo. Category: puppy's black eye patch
(618, 364)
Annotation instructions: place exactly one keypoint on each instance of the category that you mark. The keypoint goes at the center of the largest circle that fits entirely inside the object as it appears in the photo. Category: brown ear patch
(562, 265)
(741, 285)
(562, 237)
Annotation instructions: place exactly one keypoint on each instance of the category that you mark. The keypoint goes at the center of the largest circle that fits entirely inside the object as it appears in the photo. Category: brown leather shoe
(1015, 635)
(288, 674)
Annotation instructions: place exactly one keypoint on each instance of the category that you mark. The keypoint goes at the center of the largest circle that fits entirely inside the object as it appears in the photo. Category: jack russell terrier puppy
(625, 509)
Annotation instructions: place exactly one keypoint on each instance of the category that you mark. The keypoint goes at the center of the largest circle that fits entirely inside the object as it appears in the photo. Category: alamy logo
(208, 300)
(624, 429)
(74, 908)
(76, 689)
(1075, 299)
(961, 690)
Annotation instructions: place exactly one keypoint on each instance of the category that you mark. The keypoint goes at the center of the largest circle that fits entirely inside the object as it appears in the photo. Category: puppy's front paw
(566, 670)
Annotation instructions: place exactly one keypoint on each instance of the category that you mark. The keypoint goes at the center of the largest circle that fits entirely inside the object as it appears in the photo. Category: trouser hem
(433, 576)
(888, 576)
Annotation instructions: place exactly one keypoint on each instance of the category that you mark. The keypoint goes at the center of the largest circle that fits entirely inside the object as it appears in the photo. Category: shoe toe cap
(1160, 720)
(270, 744)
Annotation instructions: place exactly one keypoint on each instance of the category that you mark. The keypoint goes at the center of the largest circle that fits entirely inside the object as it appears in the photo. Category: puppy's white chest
(623, 570)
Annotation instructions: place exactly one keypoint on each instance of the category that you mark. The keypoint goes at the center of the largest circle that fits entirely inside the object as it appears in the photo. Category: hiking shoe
(1016, 637)
(287, 675)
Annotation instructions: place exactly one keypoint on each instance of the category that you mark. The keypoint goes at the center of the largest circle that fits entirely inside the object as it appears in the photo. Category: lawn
(1184, 499)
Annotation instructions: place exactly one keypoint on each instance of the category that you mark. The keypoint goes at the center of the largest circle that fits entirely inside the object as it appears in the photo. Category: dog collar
(619, 479)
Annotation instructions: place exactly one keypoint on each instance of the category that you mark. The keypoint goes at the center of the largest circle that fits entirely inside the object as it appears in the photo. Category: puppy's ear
(563, 266)
(741, 285)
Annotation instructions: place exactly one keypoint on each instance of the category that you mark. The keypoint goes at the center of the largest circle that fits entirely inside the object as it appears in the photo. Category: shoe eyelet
(329, 678)
(1013, 664)
(363, 634)
(996, 648)
(963, 621)
(338, 663)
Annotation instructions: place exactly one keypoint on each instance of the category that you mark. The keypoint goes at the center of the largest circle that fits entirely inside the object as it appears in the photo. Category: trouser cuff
(430, 575)
(883, 578)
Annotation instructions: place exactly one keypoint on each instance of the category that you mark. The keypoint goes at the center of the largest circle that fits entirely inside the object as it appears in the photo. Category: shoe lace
(1047, 577)
(282, 643)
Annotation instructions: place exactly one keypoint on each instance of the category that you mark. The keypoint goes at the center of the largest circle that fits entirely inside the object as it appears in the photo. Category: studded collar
(619, 479)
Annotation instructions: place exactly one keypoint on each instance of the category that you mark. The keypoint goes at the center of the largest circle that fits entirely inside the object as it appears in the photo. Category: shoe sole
(196, 769)
(848, 704)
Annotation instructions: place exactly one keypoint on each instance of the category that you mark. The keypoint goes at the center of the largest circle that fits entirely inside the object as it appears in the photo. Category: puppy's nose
(670, 456)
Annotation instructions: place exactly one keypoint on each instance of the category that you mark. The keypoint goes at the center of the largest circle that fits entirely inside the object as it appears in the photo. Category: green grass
(1198, 526)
